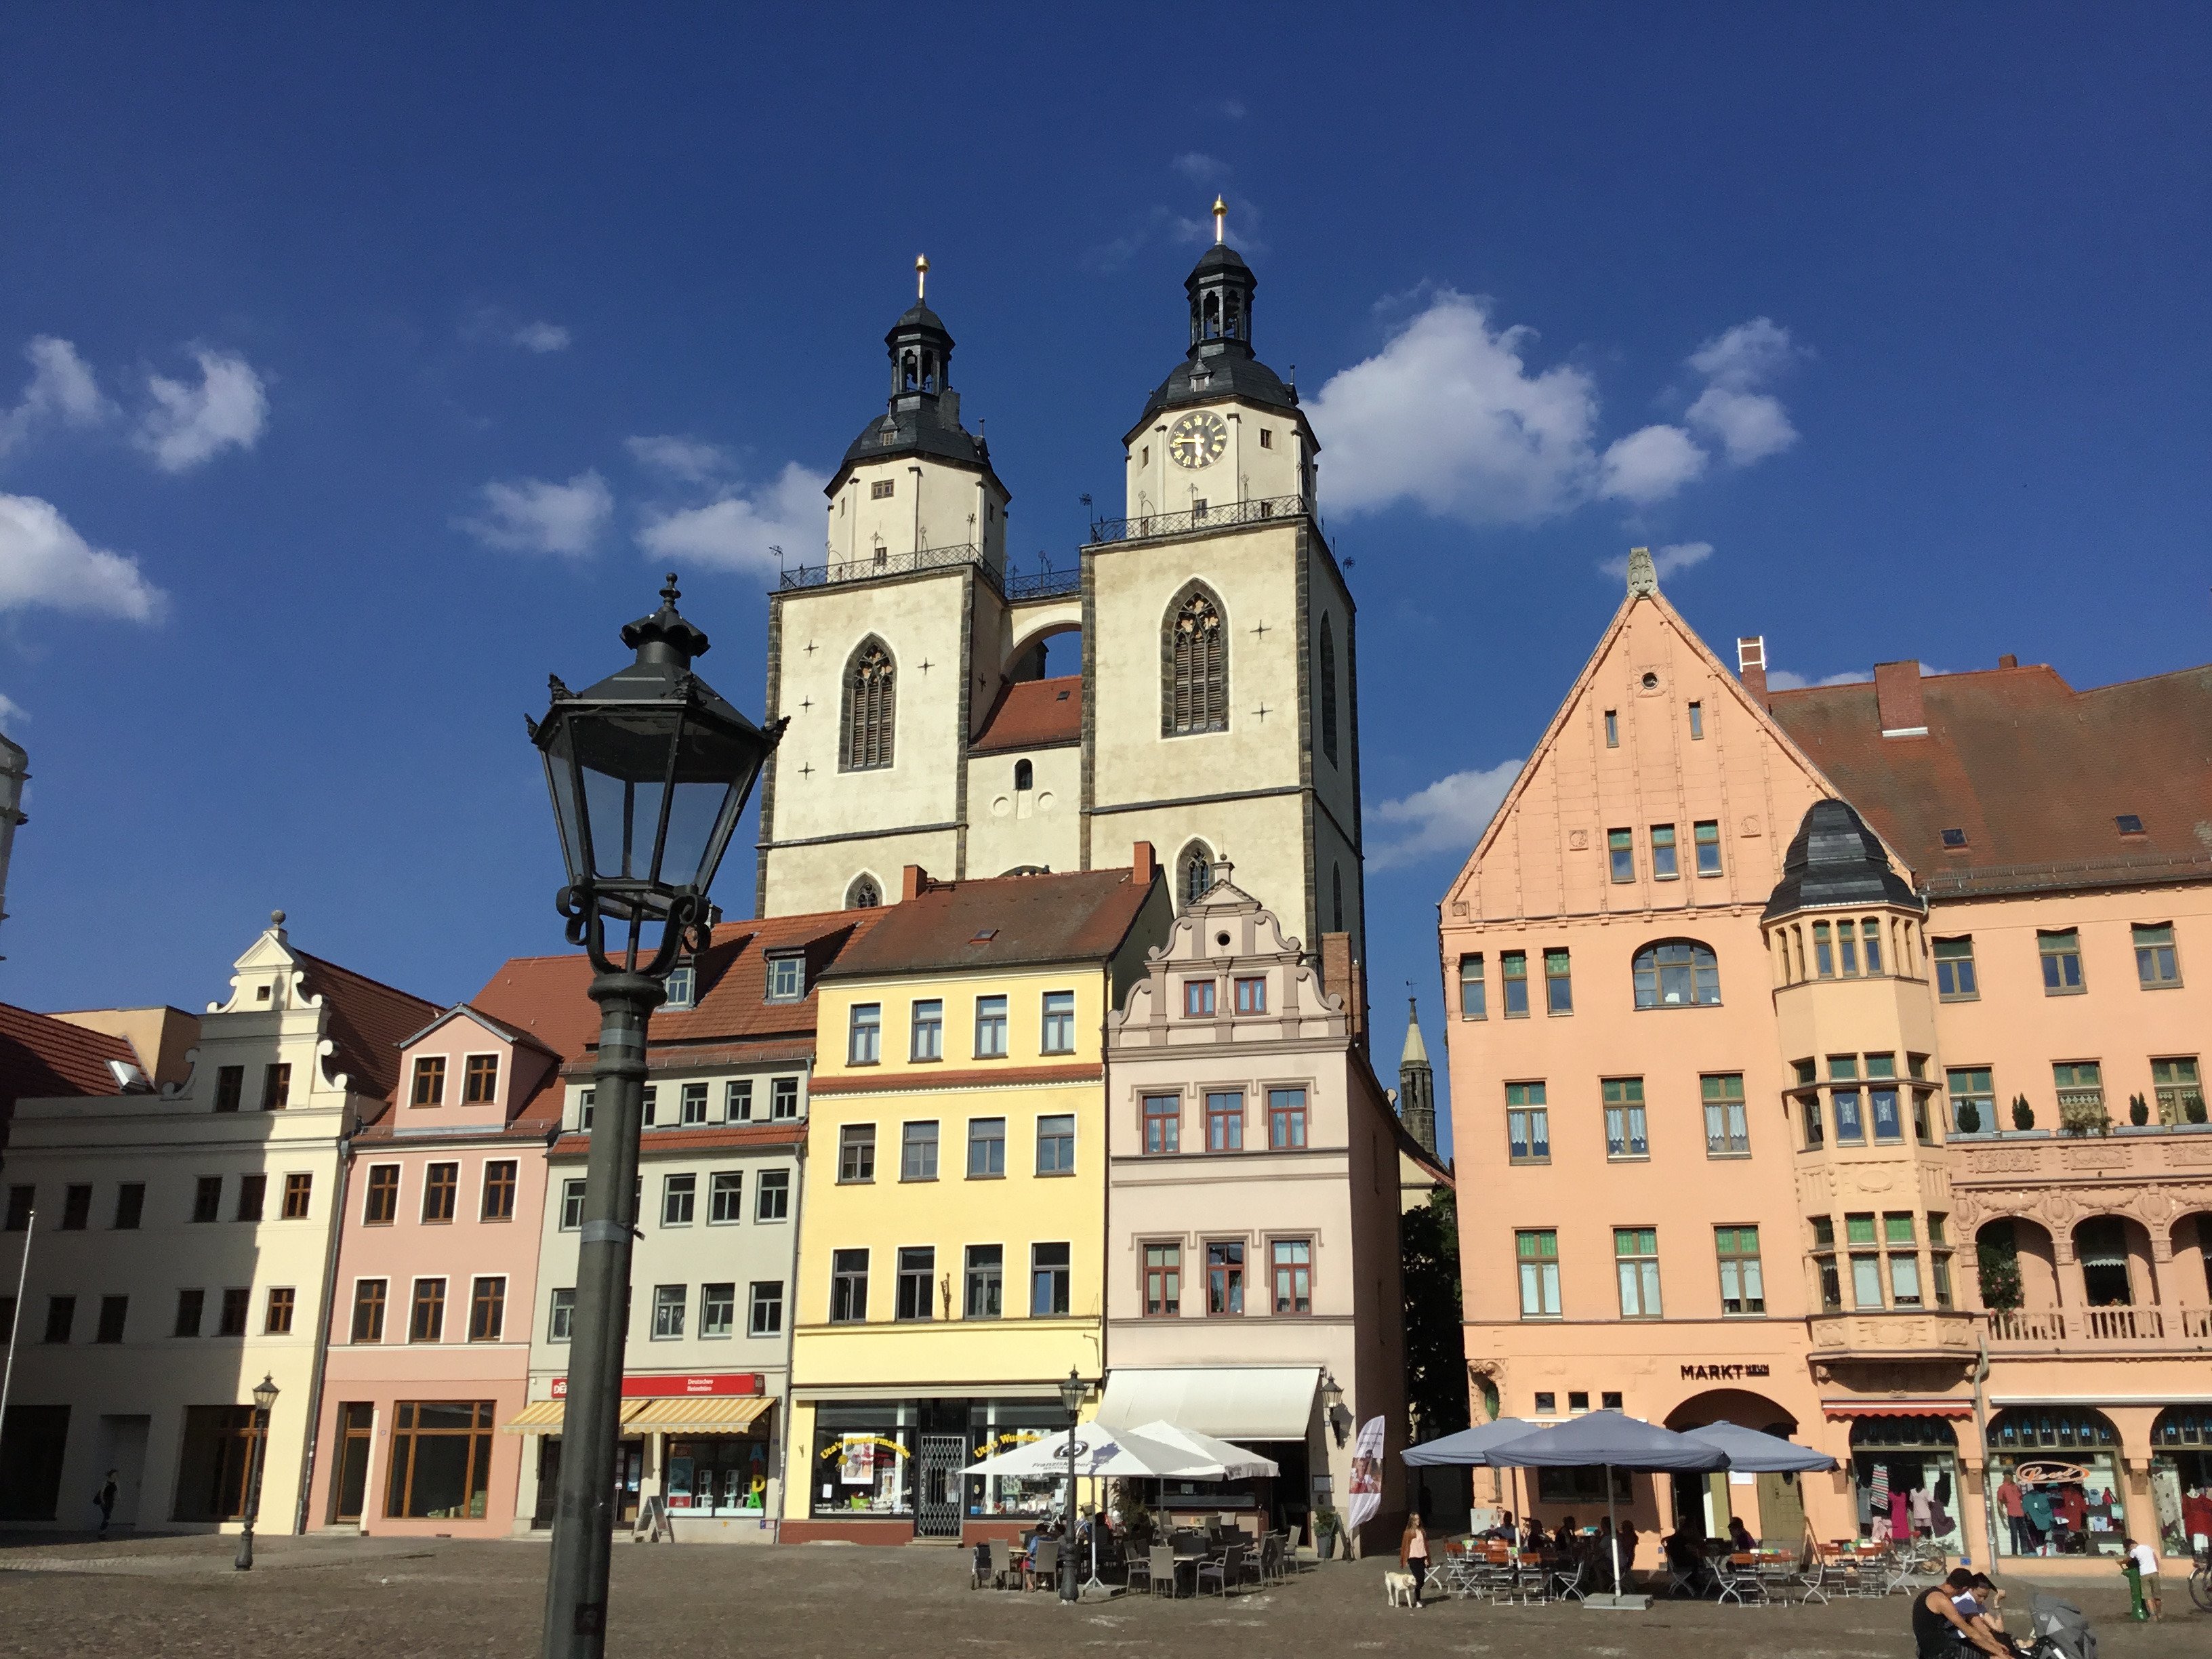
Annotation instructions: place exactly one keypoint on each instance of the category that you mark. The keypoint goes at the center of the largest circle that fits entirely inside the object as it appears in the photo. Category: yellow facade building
(952, 1270)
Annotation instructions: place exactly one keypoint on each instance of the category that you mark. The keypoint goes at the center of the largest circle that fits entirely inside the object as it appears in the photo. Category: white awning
(1230, 1402)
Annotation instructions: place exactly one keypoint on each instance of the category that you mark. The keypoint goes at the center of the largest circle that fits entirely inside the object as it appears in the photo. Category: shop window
(440, 1460)
(861, 1458)
(1527, 1124)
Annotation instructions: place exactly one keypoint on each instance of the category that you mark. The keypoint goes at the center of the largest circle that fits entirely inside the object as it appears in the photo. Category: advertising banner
(1366, 1475)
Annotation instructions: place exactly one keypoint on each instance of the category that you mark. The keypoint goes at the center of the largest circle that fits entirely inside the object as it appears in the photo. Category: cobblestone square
(333, 1597)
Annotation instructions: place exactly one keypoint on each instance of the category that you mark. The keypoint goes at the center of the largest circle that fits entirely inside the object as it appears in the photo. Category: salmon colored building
(1745, 983)
(431, 1303)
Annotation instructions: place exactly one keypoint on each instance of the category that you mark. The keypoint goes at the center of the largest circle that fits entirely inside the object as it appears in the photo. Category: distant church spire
(1417, 1083)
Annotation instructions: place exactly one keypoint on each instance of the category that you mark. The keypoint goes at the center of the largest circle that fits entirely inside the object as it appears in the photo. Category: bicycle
(2200, 1582)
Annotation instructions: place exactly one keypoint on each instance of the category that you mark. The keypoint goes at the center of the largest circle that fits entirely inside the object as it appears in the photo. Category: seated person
(1532, 1537)
(1981, 1604)
(1740, 1538)
(1503, 1532)
(1629, 1539)
(1685, 1550)
(1568, 1537)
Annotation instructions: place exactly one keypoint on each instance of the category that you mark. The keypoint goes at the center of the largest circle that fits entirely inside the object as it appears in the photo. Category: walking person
(103, 1501)
(1414, 1555)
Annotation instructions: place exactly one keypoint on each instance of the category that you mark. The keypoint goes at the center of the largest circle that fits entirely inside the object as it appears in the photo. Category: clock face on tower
(1198, 439)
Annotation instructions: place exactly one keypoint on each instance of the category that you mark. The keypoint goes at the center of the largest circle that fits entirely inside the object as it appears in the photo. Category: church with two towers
(1215, 713)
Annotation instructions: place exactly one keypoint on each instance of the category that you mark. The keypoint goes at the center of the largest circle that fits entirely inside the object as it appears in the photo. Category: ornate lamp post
(649, 771)
(1071, 1396)
(264, 1402)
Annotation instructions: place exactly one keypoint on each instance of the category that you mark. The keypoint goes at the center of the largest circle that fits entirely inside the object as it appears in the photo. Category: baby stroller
(2057, 1629)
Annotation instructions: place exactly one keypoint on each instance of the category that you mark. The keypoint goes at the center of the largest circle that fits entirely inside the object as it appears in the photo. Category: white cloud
(45, 562)
(1200, 168)
(741, 531)
(1649, 466)
(61, 387)
(191, 424)
(13, 712)
(1448, 414)
(1448, 816)
(534, 515)
(1781, 680)
(1665, 561)
(687, 459)
(542, 337)
(1749, 424)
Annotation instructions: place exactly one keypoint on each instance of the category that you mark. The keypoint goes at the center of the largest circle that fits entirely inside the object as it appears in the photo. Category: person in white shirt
(2144, 1558)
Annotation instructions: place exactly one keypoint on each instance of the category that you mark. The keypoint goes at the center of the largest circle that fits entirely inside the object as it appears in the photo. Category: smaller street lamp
(264, 1402)
(1332, 1402)
(1070, 1397)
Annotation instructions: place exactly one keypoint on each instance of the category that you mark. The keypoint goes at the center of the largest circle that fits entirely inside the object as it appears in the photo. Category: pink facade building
(1745, 984)
(431, 1304)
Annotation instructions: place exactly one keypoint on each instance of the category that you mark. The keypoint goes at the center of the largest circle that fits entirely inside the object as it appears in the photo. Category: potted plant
(1327, 1524)
(2138, 1110)
(1969, 1118)
(2023, 1114)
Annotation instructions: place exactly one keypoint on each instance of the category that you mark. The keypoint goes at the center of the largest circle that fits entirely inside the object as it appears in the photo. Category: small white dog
(1402, 1587)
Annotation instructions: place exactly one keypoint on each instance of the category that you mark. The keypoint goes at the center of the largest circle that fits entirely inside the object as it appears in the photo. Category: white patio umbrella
(1236, 1463)
(1104, 1454)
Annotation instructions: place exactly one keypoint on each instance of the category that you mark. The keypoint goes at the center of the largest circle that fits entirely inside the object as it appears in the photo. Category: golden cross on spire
(921, 277)
(1220, 212)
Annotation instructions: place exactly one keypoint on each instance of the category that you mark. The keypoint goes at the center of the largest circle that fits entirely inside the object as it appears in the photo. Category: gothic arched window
(1328, 691)
(1197, 661)
(863, 894)
(1677, 973)
(871, 707)
(1194, 873)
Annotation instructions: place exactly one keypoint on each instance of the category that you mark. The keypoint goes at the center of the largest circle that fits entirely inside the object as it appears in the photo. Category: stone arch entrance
(1707, 1502)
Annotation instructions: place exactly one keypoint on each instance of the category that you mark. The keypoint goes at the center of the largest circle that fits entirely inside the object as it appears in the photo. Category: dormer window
(786, 978)
(430, 1080)
(1954, 839)
(261, 993)
(683, 981)
(2131, 823)
(480, 1085)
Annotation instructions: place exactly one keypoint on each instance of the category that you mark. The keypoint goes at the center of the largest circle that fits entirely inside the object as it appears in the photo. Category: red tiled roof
(42, 1057)
(1031, 714)
(368, 1021)
(719, 1138)
(545, 998)
(1001, 922)
(2034, 772)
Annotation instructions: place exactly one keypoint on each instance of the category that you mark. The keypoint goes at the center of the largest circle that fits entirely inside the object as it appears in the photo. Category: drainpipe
(323, 1334)
(1982, 1448)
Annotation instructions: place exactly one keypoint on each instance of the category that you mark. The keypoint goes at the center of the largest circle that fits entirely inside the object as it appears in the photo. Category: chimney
(2008, 661)
(1896, 695)
(1143, 864)
(914, 882)
(1751, 666)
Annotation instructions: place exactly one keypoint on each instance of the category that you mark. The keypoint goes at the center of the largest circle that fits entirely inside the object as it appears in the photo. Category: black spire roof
(922, 415)
(1220, 362)
(1836, 862)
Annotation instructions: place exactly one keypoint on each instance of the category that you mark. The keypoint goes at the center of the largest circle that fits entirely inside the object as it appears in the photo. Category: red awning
(1898, 1407)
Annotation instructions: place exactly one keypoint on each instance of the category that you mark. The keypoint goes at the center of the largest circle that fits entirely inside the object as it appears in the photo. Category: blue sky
(327, 346)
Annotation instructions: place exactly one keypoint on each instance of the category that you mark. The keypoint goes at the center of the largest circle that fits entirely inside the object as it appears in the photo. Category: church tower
(1417, 1083)
(1219, 702)
(1216, 713)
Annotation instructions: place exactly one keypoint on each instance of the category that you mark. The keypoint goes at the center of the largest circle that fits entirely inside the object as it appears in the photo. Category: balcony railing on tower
(1045, 582)
(1201, 516)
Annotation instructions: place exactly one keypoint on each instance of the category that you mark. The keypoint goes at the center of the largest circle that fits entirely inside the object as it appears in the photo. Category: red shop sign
(660, 1388)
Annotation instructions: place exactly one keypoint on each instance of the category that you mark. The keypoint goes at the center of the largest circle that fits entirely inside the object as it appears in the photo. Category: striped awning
(700, 1414)
(544, 1416)
(1935, 1407)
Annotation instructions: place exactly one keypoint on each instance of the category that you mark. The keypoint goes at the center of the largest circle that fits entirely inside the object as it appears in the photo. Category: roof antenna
(921, 277)
(1220, 212)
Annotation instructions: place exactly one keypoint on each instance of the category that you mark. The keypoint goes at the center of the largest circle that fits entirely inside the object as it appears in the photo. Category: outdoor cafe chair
(1777, 1575)
(1739, 1581)
(987, 1566)
(1817, 1576)
(1159, 1569)
(1567, 1578)
(1044, 1563)
(1225, 1572)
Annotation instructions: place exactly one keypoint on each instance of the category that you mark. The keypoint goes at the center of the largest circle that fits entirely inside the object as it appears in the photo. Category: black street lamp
(264, 1402)
(1071, 1396)
(649, 771)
